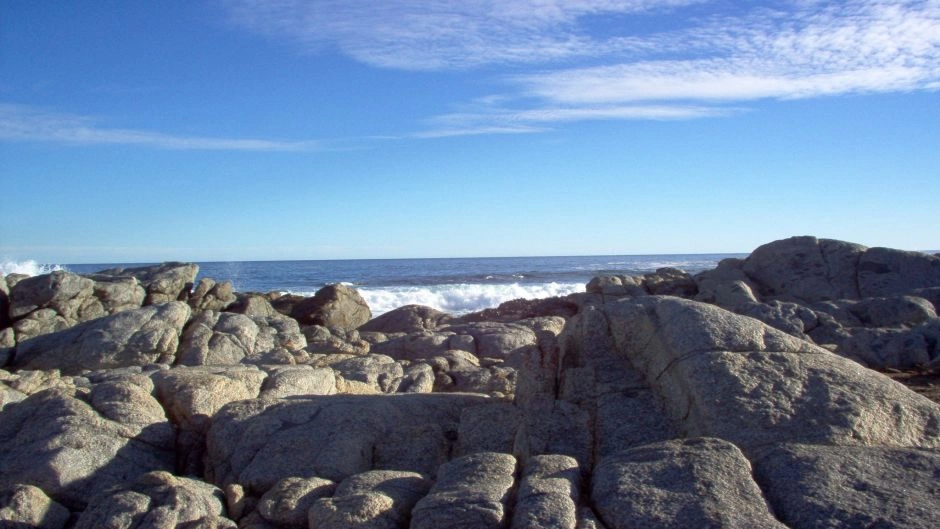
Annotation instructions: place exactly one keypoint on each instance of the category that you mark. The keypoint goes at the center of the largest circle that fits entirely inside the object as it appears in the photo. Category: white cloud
(24, 123)
(564, 69)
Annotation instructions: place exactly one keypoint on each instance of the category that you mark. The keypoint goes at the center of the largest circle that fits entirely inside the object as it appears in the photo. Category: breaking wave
(28, 267)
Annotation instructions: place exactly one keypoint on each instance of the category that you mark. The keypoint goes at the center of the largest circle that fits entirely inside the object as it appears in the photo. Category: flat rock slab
(258, 442)
(852, 487)
(130, 338)
(471, 493)
(679, 484)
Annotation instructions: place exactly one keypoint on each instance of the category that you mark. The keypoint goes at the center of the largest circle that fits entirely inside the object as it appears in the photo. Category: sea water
(454, 285)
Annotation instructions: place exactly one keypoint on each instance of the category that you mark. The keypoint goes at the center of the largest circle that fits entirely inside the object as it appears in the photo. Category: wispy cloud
(565, 68)
(25, 123)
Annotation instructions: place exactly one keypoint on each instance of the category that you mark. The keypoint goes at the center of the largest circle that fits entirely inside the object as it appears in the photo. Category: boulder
(723, 375)
(323, 340)
(26, 506)
(210, 295)
(726, 284)
(883, 272)
(377, 499)
(287, 502)
(157, 500)
(289, 381)
(333, 306)
(165, 282)
(378, 373)
(69, 295)
(256, 443)
(616, 286)
(408, 319)
(117, 294)
(226, 338)
(806, 269)
(73, 449)
(489, 427)
(851, 486)
(549, 493)
(886, 348)
(894, 311)
(252, 305)
(520, 309)
(38, 323)
(670, 282)
(418, 378)
(682, 483)
(129, 338)
(471, 492)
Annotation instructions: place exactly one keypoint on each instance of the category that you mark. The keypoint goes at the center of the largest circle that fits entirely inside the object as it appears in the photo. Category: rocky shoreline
(756, 394)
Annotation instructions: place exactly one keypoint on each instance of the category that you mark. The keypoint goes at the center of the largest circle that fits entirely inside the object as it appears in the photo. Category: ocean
(453, 285)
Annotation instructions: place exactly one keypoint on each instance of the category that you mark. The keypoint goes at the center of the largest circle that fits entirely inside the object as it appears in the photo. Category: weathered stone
(410, 318)
(616, 286)
(418, 378)
(117, 294)
(287, 502)
(489, 427)
(683, 483)
(378, 499)
(670, 282)
(258, 442)
(164, 282)
(26, 506)
(886, 348)
(38, 323)
(252, 305)
(289, 381)
(376, 371)
(791, 318)
(471, 492)
(333, 306)
(322, 340)
(806, 269)
(841, 486)
(225, 338)
(64, 292)
(549, 494)
(726, 284)
(210, 295)
(157, 500)
(519, 309)
(890, 312)
(497, 340)
(129, 338)
(415, 346)
(72, 450)
(883, 272)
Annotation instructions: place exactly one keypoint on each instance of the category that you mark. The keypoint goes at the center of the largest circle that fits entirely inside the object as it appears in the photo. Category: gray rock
(256, 443)
(683, 483)
(616, 286)
(322, 340)
(164, 282)
(333, 306)
(791, 318)
(225, 338)
(726, 285)
(886, 348)
(883, 272)
(378, 499)
(852, 487)
(73, 450)
(408, 319)
(252, 305)
(157, 500)
(287, 502)
(38, 323)
(130, 338)
(117, 294)
(724, 375)
(890, 312)
(489, 427)
(670, 282)
(379, 372)
(66, 293)
(471, 493)
(806, 269)
(418, 378)
(497, 340)
(210, 295)
(289, 381)
(26, 506)
(549, 494)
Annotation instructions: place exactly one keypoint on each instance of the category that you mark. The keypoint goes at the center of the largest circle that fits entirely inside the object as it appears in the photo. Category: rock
(117, 294)
(408, 319)
(497, 340)
(683, 483)
(322, 340)
(26, 506)
(791, 318)
(549, 493)
(4, 302)
(886, 348)
(333, 306)
(164, 282)
(890, 312)
(806, 269)
(725, 285)
(287, 502)
(210, 295)
(289, 381)
(883, 272)
(842, 486)
(418, 378)
(130, 338)
(723, 375)
(225, 338)
(471, 493)
(72, 449)
(670, 282)
(68, 294)
(489, 427)
(378, 499)
(157, 500)
(519, 309)
(617, 286)
(256, 443)
(380, 373)
(252, 305)
(37, 323)
(413, 347)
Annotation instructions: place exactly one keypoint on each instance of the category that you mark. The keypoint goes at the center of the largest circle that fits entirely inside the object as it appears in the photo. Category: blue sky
(136, 131)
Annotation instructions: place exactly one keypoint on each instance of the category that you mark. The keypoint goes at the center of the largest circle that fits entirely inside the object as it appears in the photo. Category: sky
(138, 131)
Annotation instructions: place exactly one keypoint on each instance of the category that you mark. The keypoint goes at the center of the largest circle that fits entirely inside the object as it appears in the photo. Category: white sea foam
(28, 267)
(461, 298)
